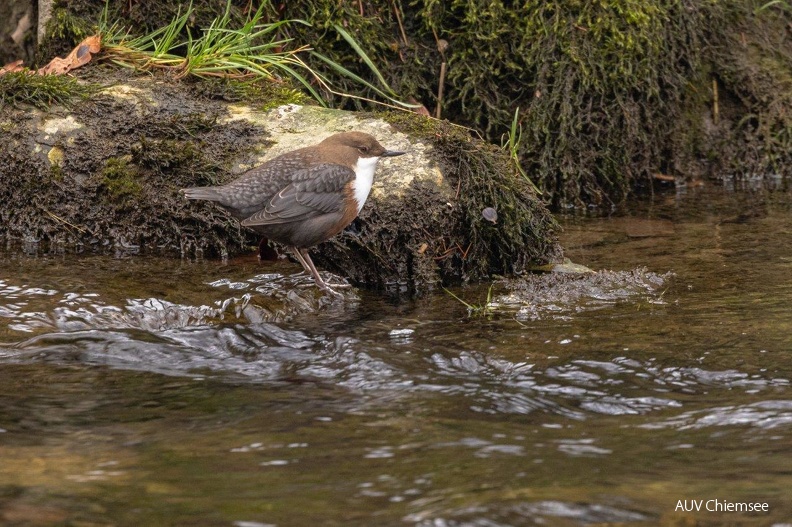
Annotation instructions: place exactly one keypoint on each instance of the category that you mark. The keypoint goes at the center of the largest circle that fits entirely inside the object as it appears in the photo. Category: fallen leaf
(80, 56)
(12, 67)
(420, 110)
(490, 215)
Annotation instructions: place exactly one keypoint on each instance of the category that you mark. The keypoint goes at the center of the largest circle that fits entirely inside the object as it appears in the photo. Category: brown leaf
(420, 110)
(80, 56)
(12, 67)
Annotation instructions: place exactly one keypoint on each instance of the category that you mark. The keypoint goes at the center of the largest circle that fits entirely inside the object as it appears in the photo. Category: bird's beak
(392, 153)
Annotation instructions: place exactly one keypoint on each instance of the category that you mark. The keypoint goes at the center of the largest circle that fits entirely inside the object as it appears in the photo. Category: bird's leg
(296, 252)
(308, 265)
(315, 273)
(318, 279)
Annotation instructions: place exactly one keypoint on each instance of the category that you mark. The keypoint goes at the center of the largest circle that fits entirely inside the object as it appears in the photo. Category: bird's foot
(340, 286)
(327, 289)
(335, 284)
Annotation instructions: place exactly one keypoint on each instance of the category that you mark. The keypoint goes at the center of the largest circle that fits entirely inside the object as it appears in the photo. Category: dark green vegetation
(262, 95)
(751, 62)
(609, 92)
(40, 90)
(471, 165)
(132, 154)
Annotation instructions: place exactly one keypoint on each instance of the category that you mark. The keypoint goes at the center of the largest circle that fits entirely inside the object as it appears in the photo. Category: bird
(303, 197)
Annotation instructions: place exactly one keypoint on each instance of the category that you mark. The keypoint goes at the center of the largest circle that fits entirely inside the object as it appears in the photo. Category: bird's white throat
(364, 178)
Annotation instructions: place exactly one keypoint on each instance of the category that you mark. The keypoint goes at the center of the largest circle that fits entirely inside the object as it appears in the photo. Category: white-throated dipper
(303, 197)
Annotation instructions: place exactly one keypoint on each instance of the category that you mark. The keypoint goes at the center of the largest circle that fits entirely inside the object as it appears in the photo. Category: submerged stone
(561, 294)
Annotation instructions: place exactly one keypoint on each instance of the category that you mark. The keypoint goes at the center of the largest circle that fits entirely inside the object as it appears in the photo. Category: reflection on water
(142, 391)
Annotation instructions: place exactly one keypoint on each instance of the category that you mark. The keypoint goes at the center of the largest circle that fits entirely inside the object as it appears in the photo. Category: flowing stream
(146, 391)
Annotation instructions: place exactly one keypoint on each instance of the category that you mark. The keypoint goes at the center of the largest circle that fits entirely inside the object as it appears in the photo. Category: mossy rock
(610, 93)
(106, 174)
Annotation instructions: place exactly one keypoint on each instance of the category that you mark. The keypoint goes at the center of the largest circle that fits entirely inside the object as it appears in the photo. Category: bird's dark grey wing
(313, 192)
(251, 191)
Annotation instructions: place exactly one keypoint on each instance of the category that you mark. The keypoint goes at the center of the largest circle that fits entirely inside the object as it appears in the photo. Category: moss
(588, 76)
(55, 156)
(609, 92)
(421, 126)
(262, 95)
(166, 156)
(485, 178)
(63, 25)
(56, 173)
(120, 178)
(274, 95)
(172, 125)
(598, 84)
(745, 131)
(65, 29)
(101, 188)
(604, 87)
(41, 91)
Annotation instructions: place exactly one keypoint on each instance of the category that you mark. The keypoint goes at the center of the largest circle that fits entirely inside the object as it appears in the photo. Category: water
(141, 391)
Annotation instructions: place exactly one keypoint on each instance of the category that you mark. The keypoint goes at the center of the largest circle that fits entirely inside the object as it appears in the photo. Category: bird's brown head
(356, 145)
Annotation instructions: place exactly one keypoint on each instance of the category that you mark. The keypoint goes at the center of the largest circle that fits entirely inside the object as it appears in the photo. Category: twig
(401, 26)
(464, 252)
(61, 220)
(446, 254)
(440, 90)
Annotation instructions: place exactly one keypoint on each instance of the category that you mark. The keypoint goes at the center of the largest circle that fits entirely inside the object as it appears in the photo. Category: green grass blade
(362, 54)
(347, 73)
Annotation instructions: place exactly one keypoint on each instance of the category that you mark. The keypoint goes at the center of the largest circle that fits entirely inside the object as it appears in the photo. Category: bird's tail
(206, 193)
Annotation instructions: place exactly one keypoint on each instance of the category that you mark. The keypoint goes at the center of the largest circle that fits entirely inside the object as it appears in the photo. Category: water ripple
(765, 415)
(230, 337)
(264, 298)
(258, 353)
(536, 513)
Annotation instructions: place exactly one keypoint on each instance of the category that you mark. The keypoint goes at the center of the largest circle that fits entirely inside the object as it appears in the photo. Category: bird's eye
(363, 149)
